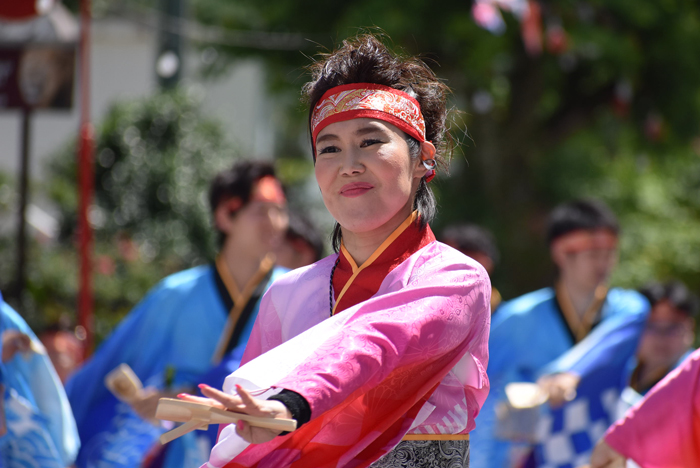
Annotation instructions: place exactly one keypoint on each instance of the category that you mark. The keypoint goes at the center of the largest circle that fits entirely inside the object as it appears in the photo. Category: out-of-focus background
(552, 100)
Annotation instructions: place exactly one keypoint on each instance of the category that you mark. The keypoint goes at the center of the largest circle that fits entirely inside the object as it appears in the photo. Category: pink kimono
(663, 430)
(409, 359)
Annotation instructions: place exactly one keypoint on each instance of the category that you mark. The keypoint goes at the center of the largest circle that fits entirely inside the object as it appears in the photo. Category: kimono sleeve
(137, 341)
(510, 335)
(432, 320)
(35, 379)
(663, 430)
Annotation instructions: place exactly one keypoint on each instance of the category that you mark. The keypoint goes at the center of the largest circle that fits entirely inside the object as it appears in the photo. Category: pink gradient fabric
(663, 430)
(411, 359)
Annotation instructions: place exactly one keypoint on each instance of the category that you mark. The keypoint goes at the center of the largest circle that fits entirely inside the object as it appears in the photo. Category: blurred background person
(478, 243)
(188, 323)
(574, 339)
(36, 423)
(64, 347)
(302, 244)
(663, 429)
(667, 339)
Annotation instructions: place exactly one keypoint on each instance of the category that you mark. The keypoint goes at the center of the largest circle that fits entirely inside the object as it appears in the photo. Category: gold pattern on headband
(369, 100)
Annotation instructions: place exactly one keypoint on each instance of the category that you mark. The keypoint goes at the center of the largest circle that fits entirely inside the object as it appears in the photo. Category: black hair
(364, 59)
(472, 238)
(676, 293)
(301, 228)
(237, 181)
(580, 214)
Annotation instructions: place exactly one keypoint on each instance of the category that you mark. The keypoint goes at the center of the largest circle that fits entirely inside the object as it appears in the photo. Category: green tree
(155, 158)
(154, 161)
(609, 108)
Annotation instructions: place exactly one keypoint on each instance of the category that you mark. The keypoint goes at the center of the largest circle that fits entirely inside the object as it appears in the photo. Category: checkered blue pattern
(567, 435)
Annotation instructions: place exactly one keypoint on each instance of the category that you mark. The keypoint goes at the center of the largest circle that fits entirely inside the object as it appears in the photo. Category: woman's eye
(369, 142)
(329, 149)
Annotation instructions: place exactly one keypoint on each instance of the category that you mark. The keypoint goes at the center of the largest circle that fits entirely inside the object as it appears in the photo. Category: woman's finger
(246, 398)
(201, 400)
(254, 435)
(243, 430)
(229, 401)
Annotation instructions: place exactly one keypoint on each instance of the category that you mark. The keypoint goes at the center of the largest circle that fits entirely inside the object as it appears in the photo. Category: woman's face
(366, 175)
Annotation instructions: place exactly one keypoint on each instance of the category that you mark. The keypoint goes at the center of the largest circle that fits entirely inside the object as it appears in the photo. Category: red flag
(531, 28)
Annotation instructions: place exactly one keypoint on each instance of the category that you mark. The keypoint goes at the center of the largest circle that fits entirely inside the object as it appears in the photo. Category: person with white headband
(191, 327)
(573, 339)
(379, 351)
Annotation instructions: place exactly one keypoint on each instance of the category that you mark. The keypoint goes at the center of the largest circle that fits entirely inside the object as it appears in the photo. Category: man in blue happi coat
(573, 340)
(191, 324)
(36, 424)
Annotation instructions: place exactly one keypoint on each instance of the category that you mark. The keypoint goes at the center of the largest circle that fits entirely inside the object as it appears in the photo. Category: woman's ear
(427, 151)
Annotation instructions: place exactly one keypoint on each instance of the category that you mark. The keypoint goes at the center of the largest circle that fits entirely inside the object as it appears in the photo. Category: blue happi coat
(41, 431)
(168, 340)
(529, 338)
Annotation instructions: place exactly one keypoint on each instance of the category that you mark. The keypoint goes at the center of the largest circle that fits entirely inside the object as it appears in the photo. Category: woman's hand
(13, 342)
(560, 387)
(243, 402)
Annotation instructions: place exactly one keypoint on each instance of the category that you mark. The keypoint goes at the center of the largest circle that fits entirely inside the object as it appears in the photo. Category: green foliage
(118, 281)
(155, 158)
(7, 193)
(610, 108)
(655, 193)
(661, 217)
(154, 161)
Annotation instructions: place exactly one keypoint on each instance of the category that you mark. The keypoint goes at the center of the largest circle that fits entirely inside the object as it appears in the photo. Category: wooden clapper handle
(123, 382)
(200, 415)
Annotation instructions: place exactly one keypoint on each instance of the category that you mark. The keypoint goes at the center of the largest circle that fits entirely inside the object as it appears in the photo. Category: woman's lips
(355, 189)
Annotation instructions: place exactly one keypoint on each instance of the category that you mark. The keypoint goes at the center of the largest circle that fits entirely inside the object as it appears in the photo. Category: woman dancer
(379, 350)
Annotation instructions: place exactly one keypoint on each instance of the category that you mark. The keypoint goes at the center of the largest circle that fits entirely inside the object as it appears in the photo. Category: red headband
(266, 189)
(369, 100)
(583, 239)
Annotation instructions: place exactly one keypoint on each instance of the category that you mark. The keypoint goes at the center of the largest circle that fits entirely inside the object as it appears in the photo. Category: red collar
(353, 284)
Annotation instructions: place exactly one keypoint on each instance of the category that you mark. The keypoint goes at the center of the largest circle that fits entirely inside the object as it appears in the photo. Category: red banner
(24, 9)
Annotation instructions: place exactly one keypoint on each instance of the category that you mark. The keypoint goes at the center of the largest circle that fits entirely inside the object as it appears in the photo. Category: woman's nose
(352, 162)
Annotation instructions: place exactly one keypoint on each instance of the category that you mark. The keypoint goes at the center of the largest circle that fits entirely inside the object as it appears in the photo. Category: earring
(429, 164)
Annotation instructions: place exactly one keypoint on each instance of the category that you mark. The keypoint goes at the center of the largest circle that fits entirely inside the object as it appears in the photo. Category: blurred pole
(20, 279)
(85, 185)
(169, 61)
